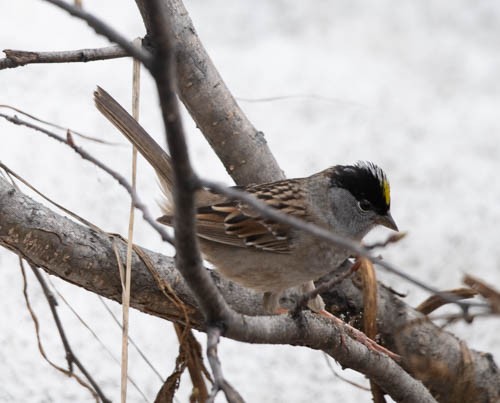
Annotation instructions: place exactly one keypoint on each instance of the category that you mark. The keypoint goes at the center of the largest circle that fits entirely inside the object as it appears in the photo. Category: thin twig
(393, 238)
(102, 344)
(282, 329)
(131, 340)
(65, 129)
(160, 229)
(39, 341)
(485, 290)
(337, 375)
(232, 396)
(104, 29)
(16, 58)
(136, 69)
(188, 259)
(70, 355)
(435, 301)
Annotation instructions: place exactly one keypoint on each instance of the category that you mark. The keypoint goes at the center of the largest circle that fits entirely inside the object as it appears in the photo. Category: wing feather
(237, 224)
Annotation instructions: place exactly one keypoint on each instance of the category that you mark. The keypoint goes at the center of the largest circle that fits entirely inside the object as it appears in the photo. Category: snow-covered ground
(411, 85)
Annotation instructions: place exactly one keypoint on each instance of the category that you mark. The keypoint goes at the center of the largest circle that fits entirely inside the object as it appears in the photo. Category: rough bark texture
(241, 148)
(16, 58)
(445, 365)
(85, 257)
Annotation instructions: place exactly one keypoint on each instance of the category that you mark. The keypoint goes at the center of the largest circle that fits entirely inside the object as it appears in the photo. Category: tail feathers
(166, 200)
(136, 134)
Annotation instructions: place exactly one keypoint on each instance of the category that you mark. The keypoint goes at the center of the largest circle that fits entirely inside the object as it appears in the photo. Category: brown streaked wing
(237, 224)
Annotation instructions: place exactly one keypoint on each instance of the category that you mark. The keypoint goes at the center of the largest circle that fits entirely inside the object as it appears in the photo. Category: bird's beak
(387, 221)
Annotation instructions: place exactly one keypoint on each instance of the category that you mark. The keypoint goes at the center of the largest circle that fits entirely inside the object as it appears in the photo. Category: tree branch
(86, 258)
(241, 148)
(103, 29)
(17, 58)
(71, 357)
(188, 258)
(32, 241)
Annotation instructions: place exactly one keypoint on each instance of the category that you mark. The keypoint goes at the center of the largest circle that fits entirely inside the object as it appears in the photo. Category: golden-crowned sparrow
(263, 254)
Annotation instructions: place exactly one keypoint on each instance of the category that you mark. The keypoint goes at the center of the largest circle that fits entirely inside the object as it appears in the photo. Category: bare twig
(16, 58)
(70, 355)
(119, 178)
(104, 29)
(188, 258)
(130, 339)
(94, 267)
(485, 290)
(103, 345)
(232, 396)
(240, 146)
(342, 378)
(65, 129)
(66, 372)
(393, 238)
(436, 301)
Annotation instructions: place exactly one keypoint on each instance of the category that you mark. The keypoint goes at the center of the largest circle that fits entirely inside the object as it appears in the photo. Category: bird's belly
(268, 271)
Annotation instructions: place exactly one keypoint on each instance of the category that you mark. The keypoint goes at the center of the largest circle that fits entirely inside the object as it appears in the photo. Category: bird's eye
(364, 205)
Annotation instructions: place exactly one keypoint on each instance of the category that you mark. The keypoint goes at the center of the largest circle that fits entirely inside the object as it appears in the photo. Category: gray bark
(85, 257)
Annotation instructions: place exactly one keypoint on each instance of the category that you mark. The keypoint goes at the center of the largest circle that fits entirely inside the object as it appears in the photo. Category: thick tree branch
(85, 257)
(241, 148)
(54, 244)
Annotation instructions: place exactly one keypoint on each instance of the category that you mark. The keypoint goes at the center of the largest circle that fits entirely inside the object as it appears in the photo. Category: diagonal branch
(240, 146)
(188, 257)
(252, 325)
(85, 257)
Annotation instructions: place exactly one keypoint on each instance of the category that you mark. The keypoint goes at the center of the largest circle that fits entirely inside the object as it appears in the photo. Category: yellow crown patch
(386, 190)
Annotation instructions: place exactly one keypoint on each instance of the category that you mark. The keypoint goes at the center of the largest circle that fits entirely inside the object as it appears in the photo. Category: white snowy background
(411, 85)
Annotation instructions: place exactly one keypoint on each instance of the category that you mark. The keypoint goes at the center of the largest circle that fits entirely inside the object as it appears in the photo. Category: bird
(263, 254)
